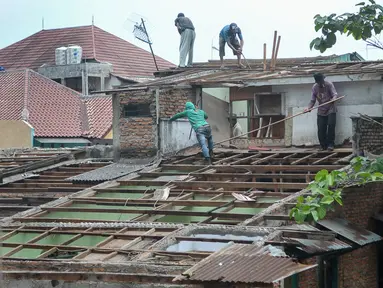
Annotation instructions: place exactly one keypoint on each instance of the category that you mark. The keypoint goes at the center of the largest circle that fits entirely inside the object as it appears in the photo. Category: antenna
(92, 20)
(141, 34)
(42, 23)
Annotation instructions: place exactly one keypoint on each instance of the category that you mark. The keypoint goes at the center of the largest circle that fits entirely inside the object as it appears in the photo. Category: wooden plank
(303, 159)
(325, 158)
(147, 211)
(312, 235)
(151, 202)
(212, 184)
(277, 217)
(290, 156)
(245, 159)
(264, 159)
(257, 168)
(226, 159)
(232, 175)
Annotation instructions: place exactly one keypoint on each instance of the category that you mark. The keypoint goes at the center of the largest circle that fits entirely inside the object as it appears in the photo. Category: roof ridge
(56, 83)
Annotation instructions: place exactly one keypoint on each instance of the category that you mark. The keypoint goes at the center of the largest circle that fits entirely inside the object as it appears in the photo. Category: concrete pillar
(85, 83)
(116, 127)
(63, 81)
(102, 83)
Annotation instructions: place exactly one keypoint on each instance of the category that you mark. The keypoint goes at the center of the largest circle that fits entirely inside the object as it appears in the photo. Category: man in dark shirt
(324, 91)
(228, 35)
(186, 29)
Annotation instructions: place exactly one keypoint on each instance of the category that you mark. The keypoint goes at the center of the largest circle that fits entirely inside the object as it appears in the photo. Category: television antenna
(141, 33)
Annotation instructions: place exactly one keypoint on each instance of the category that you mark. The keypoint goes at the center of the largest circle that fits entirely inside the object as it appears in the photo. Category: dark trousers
(326, 130)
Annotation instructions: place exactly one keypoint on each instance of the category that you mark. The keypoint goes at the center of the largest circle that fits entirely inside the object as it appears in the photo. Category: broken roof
(52, 109)
(235, 77)
(127, 59)
(125, 226)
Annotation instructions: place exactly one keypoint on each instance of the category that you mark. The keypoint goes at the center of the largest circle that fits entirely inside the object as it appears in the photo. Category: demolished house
(179, 223)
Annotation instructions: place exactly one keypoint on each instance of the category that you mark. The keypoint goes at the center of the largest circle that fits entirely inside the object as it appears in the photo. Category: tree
(363, 25)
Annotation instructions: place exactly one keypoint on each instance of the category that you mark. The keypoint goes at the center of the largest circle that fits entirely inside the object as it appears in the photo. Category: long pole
(150, 43)
(280, 121)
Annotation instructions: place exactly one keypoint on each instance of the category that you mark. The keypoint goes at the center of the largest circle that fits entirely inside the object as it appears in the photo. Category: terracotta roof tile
(53, 109)
(99, 112)
(39, 48)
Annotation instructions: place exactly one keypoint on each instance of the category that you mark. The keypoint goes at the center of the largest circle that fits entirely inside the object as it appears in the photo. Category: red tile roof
(100, 112)
(127, 59)
(53, 109)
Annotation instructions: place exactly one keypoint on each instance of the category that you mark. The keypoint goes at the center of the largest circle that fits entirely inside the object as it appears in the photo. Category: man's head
(319, 78)
(180, 15)
(233, 26)
(233, 120)
(189, 106)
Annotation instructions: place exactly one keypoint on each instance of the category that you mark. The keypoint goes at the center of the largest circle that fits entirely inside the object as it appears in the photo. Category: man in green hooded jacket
(197, 119)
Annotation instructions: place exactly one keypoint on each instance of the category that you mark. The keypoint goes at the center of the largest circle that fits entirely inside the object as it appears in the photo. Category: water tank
(60, 54)
(73, 54)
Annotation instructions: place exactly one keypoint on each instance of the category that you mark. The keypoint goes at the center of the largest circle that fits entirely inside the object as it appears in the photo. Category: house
(258, 97)
(37, 111)
(106, 60)
(120, 234)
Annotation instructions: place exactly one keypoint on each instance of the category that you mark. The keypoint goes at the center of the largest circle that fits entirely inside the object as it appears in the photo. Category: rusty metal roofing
(320, 246)
(240, 77)
(246, 264)
(350, 231)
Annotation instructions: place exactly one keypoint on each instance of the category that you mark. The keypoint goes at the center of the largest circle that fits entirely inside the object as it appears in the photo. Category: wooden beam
(303, 159)
(226, 159)
(264, 159)
(277, 217)
(212, 184)
(257, 168)
(324, 158)
(312, 235)
(242, 160)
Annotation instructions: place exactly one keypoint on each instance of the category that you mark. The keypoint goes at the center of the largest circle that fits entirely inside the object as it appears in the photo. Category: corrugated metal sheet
(246, 264)
(319, 246)
(106, 173)
(349, 231)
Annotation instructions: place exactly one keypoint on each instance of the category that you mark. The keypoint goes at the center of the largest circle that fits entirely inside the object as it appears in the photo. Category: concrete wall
(218, 113)
(361, 96)
(219, 93)
(16, 133)
(175, 135)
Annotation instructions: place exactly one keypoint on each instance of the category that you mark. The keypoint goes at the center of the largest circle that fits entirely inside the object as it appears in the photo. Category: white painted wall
(361, 97)
(220, 93)
(175, 135)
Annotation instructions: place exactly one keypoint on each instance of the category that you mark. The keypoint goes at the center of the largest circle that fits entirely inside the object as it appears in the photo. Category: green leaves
(361, 25)
(326, 189)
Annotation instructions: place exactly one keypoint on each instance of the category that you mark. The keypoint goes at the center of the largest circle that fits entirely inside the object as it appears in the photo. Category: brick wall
(138, 136)
(367, 135)
(358, 268)
(173, 101)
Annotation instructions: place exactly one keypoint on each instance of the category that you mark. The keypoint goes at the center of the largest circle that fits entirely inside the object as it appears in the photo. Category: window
(137, 110)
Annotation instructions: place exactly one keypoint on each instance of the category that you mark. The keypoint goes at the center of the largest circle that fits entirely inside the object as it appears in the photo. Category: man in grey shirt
(186, 29)
(324, 91)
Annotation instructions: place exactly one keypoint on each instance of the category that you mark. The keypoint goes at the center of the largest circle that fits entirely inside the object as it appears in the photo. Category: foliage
(326, 189)
(361, 25)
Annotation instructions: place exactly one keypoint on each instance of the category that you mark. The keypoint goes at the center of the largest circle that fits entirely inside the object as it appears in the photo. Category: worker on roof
(324, 91)
(197, 119)
(186, 29)
(228, 35)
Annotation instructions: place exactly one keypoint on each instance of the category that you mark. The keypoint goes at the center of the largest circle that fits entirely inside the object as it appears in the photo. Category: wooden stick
(273, 52)
(264, 57)
(280, 121)
(276, 52)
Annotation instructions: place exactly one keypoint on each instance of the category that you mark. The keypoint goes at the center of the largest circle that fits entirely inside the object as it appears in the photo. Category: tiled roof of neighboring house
(51, 108)
(38, 49)
(99, 111)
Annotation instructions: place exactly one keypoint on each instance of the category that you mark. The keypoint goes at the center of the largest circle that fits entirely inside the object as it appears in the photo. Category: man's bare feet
(222, 67)
(240, 65)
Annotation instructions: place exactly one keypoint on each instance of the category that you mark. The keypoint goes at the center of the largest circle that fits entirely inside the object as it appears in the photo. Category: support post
(157, 93)
(150, 43)
(102, 83)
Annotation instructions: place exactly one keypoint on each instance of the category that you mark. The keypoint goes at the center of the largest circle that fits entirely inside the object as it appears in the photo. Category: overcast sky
(258, 19)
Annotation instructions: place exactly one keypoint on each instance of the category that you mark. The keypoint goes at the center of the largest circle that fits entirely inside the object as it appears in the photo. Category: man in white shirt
(237, 129)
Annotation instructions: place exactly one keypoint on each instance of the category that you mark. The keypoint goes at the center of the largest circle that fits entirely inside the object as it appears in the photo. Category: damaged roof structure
(178, 223)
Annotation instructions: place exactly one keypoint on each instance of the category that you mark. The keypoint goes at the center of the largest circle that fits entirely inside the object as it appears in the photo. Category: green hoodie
(195, 116)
